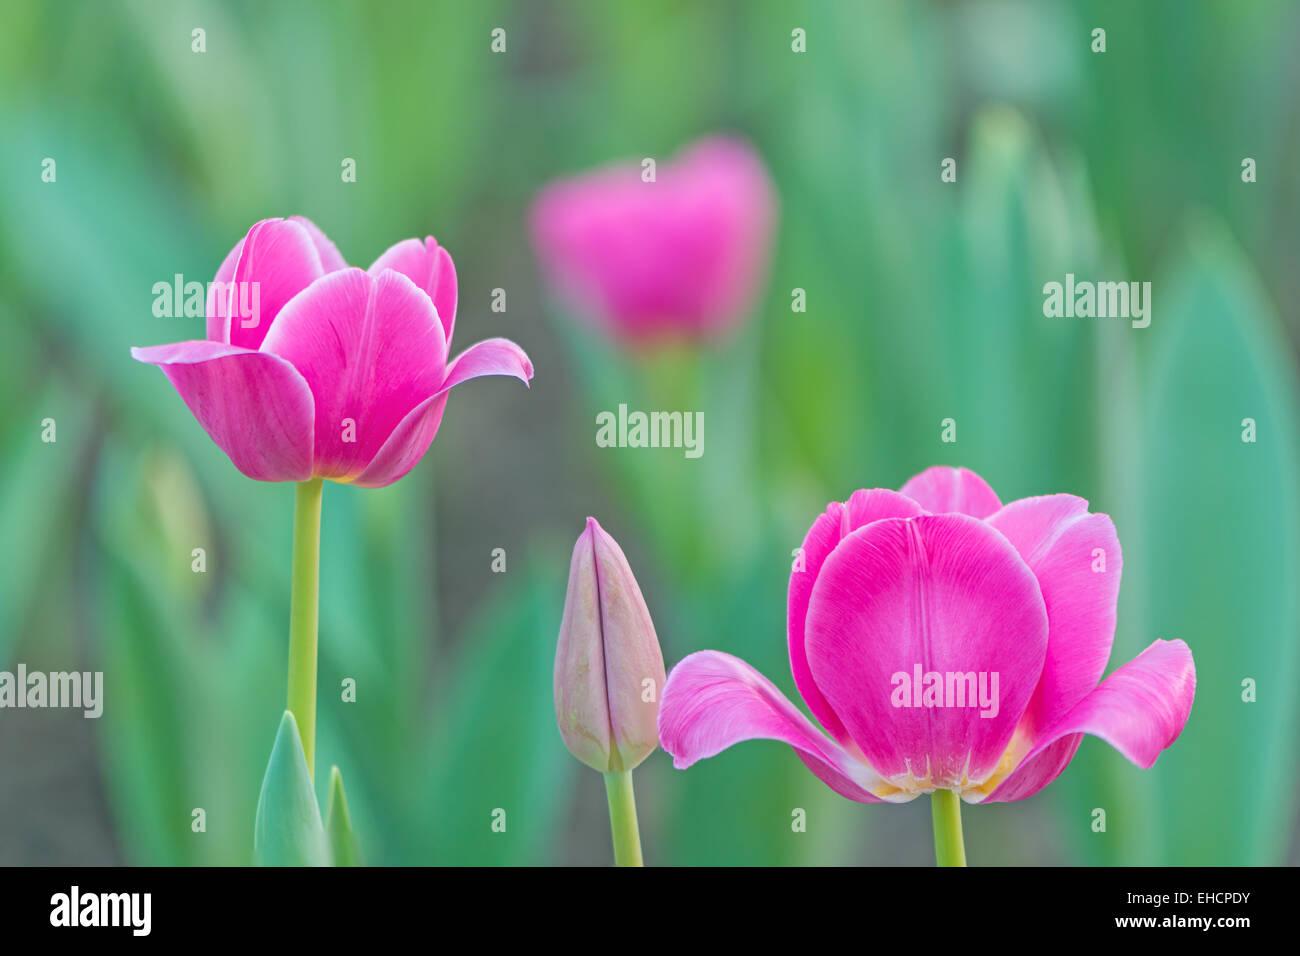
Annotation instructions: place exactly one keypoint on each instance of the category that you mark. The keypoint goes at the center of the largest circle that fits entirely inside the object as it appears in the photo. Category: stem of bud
(622, 818)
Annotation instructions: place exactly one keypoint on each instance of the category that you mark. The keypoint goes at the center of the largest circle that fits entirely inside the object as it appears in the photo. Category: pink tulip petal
(429, 266)
(678, 257)
(827, 531)
(218, 293)
(274, 262)
(371, 349)
(1031, 776)
(947, 593)
(255, 406)
(404, 448)
(330, 259)
(580, 679)
(1077, 560)
(489, 357)
(1139, 710)
(411, 438)
(944, 490)
(713, 700)
(630, 651)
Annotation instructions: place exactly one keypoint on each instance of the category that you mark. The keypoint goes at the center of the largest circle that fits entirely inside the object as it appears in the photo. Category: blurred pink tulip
(678, 258)
(609, 670)
(334, 372)
(942, 578)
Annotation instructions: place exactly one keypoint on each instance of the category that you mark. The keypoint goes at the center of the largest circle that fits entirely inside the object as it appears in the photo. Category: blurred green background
(924, 303)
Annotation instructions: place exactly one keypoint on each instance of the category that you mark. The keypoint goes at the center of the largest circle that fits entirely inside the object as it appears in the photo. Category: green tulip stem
(622, 818)
(304, 613)
(949, 850)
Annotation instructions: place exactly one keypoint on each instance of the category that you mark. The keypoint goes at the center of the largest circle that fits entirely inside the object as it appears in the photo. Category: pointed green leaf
(1023, 221)
(1218, 557)
(501, 776)
(344, 849)
(288, 831)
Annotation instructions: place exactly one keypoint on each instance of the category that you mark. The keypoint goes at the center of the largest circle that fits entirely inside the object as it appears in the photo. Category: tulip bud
(608, 666)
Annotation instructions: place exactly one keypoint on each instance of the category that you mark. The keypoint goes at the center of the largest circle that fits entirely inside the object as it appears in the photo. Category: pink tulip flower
(677, 258)
(943, 579)
(337, 373)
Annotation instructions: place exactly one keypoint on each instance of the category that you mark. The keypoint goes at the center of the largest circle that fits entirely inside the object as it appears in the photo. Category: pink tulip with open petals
(1010, 607)
(324, 370)
(680, 257)
(312, 370)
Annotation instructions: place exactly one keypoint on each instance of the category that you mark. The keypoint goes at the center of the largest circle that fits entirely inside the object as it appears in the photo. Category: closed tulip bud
(608, 666)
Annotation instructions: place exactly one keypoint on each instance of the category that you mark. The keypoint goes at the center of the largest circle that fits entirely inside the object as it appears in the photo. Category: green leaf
(1024, 220)
(1218, 557)
(288, 831)
(154, 742)
(37, 505)
(344, 848)
(191, 696)
(500, 774)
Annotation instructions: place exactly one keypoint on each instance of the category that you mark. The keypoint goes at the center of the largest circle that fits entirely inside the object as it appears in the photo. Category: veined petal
(606, 655)
(371, 349)
(943, 490)
(1077, 560)
(403, 449)
(255, 406)
(1013, 784)
(489, 357)
(905, 598)
(429, 266)
(1139, 710)
(713, 700)
(219, 294)
(274, 262)
(827, 531)
(330, 259)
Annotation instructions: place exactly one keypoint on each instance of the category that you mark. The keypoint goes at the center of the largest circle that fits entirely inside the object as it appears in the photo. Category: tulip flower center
(1011, 758)
(907, 786)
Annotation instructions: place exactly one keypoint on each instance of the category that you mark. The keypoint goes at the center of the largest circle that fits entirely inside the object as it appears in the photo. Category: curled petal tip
(430, 267)
(713, 700)
(1140, 710)
(490, 357)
